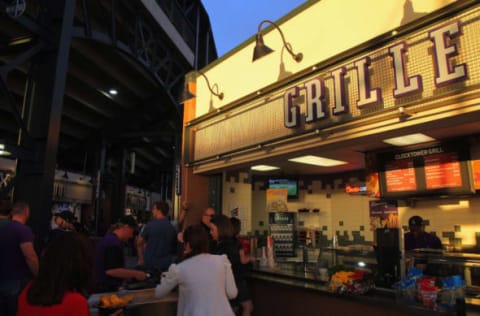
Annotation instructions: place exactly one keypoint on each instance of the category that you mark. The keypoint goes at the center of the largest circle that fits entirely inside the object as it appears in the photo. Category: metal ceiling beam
(73, 128)
(80, 89)
(76, 114)
(30, 25)
(70, 110)
(150, 85)
(69, 91)
(147, 133)
(86, 101)
(149, 156)
(87, 49)
(99, 80)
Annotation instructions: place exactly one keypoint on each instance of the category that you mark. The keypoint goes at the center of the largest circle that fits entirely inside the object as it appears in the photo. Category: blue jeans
(9, 292)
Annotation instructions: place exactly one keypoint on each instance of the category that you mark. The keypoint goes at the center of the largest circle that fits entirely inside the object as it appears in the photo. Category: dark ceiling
(120, 48)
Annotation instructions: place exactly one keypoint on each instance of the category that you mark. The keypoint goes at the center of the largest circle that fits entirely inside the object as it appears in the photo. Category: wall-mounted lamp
(187, 95)
(261, 49)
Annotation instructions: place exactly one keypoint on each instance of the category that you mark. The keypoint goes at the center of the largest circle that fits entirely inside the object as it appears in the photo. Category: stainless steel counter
(144, 303)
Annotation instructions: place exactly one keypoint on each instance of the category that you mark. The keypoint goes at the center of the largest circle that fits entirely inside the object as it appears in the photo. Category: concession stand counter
(330, 120)
(144, 302)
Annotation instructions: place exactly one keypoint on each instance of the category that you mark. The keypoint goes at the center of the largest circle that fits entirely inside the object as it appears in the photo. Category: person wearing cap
(64, 223)
(110, 268)
(418, 238)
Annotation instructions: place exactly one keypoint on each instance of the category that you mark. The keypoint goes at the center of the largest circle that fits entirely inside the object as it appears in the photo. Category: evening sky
(234, 21)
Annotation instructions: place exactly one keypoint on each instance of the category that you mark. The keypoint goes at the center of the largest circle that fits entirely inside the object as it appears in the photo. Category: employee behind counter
(418, 238)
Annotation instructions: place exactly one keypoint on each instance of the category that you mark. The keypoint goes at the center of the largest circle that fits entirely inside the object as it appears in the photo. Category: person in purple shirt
(18, 260)
(418, 238)
(109, 260)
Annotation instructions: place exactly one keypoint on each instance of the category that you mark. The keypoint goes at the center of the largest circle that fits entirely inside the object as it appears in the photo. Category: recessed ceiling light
(264, 168)
(317, 161)
(4, 152)
(410, 139)
(113, 92)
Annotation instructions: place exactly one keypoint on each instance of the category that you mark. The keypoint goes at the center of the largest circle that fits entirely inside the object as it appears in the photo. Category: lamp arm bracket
(215, 93)
(288, 46)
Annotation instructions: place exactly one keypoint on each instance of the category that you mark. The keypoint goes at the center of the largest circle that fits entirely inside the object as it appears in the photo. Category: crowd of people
(58, 279)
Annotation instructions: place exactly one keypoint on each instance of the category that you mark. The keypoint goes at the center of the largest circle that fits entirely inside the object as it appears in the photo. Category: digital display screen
(437, 170)
(290, 184)
(400, 176)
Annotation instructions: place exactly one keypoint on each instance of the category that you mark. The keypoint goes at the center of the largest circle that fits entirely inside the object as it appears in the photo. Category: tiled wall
(455, 220)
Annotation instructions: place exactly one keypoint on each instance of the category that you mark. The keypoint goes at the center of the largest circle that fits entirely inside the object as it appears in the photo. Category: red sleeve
(76, 305)
(22, 309)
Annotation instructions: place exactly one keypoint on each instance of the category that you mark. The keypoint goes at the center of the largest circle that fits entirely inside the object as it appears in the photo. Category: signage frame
(417, 155)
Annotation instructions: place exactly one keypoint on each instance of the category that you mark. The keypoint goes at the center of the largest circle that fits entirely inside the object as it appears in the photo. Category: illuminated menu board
(400, 176)
(436, 170)
(442, 171)
(476, 173)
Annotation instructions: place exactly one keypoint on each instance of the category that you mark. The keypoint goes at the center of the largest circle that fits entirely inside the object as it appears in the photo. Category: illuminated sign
(356, 189)
(430, 66)
(446, 71)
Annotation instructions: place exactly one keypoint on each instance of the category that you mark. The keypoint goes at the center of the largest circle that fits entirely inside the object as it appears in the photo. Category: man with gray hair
(19, 262)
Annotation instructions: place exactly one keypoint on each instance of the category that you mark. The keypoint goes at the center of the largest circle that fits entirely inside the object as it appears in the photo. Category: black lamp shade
(186, 95)
(260, 49)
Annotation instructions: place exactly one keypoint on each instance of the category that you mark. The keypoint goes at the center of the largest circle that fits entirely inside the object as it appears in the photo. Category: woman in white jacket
(205, 281)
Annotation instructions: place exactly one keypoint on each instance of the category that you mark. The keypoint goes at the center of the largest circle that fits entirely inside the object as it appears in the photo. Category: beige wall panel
(324, 29)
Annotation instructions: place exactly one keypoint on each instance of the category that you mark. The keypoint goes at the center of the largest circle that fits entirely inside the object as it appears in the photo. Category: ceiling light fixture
(113, 92)
(261, 49)
(4, 152)
(410, 139)
(317, 161)
(187, 95)
(264, 168)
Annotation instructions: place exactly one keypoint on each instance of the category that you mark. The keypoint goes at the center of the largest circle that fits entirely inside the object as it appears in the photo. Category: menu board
(442, 171)
(437, 170)
(400, 176)
(277, 200)
(476, 173)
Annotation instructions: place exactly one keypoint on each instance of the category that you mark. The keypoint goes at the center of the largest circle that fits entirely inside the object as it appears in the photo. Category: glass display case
(435, 263)
(282, 230)
(440, 264)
